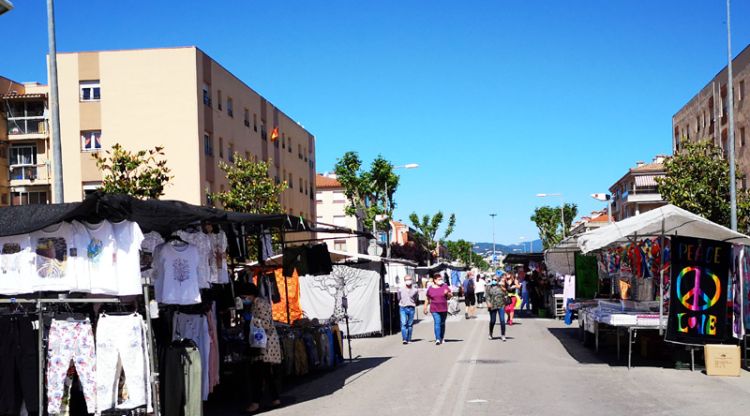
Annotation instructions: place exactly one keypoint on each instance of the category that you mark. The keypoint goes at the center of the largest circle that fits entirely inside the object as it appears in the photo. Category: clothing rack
(40, 302)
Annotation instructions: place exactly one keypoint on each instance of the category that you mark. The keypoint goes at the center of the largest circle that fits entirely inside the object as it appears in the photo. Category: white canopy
(673, 220)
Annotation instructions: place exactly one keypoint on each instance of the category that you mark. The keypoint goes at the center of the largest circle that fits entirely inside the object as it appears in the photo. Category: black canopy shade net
(523, 258)
(163, 217)
(437, 268)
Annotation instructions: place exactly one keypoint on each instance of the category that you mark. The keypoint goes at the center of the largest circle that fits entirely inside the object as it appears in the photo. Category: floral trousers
(70, 341)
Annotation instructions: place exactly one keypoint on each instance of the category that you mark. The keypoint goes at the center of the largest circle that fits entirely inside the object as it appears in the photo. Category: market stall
(671, 271)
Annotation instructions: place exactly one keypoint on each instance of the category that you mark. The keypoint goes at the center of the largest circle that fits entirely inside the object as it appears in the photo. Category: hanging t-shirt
(129, 238)
(16, 264)
(176, 269)
(202, 242)
(101, 255)
(60, 261)
(220, 272)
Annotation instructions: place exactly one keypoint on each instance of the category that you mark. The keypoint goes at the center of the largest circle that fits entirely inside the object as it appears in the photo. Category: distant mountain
(486, 248)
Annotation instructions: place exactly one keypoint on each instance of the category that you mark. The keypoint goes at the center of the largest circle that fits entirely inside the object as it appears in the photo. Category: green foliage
(427, 229)
(548, 221)
(366, 189)
(463, 251)
(250, 189)
(697, 179)
(142, 174)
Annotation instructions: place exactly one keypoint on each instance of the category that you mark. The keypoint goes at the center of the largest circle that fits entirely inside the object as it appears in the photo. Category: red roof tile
(325, 182)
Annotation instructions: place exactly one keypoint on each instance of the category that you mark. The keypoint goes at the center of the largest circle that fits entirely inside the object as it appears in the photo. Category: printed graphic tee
(16, 264)
(60, 260)
(202, 242)
(219, 271)
(128, 239)
(176, 274)
(101, 255)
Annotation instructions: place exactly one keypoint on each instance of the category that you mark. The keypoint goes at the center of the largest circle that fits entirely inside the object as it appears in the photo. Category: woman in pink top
(437, 301)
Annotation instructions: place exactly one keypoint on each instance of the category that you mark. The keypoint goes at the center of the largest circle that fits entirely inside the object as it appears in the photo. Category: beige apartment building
(705, 116)
(24, 144)
(182, 100)
(331, 205)
(637, 191)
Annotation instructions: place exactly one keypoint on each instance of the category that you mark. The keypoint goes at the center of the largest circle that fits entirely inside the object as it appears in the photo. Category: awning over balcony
(644, 181)
(22, 96)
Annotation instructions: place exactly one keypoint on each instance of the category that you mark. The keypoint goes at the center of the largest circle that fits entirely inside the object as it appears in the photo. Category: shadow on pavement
(234, 396)
(648, 351)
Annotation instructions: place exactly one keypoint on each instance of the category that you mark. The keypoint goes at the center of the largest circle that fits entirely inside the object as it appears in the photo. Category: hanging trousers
(19, 379)
(70, 341)
(182, 382)
(195, 328)
(121, 346)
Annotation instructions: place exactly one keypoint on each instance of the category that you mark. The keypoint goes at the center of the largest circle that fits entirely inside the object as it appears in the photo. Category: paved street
(541, 369)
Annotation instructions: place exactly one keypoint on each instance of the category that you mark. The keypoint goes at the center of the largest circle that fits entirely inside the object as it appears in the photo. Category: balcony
(27, 128)
(29, 175)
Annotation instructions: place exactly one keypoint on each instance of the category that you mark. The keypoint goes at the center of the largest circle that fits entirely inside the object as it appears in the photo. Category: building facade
(25, 154)
(187, 103)
(636, 192)
(331, 209)
(705, 116)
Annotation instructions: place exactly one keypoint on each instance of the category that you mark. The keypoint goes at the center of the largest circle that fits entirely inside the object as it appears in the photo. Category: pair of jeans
(407, 322)
(19, 381)
(439, 318)
(494, 313)
(525, 300)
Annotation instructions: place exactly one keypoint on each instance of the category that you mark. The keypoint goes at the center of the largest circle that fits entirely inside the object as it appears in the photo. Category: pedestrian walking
(480, 288)
(525, 305)
(437, 303)
(510, 286)
(408, 296)
(495, 306)
(470, 297)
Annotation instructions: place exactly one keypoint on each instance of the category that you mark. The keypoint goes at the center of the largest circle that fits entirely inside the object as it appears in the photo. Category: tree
(250, 188)
(548, 221)
(143, 174)
(427, 228)
(463, 251)
(365, 190)
(697, 179)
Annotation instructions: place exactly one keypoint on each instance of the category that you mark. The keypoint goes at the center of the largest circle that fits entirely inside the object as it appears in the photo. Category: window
(255, 122)
(247, 117)
(291, 181)
(741, 91)
(742, 136)
(299, 150)
(283, 141)
(230, 152)
(289, 143)
(208, 145)
(90, 90)
(339, 245)
(218, 99)
(230, 107)
(206, 95)
(301, 185)
(23, 162)
(247, 155)
(306, 187)
(91, 140)
(221, 147)
(263, 133)
(28, 198)
(305, 153)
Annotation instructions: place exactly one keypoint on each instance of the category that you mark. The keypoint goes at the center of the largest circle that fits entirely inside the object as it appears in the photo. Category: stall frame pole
(286, 284)
(661, 282)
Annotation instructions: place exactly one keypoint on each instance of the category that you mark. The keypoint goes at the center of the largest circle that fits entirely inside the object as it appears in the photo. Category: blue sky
(496, 100)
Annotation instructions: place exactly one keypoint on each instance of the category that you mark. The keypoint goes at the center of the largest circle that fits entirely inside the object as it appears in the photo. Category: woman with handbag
(496, 306)
(510, 286)
(264, 346)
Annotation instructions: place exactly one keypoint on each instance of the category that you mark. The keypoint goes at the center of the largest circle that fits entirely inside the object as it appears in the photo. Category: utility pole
(54, 104)
(730, 138)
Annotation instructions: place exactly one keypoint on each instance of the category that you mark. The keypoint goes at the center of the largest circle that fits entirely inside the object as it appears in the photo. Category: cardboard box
(722, 360)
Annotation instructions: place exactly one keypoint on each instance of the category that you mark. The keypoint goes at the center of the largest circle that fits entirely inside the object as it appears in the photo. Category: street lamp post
(494, 258)
(562, 209)
(54, 106)
(730, 138)
(387, 208)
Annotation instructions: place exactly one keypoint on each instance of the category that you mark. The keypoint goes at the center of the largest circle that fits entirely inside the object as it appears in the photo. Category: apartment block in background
(705, 116)
(331, 209)
(24, 144)
(636, 192)
(184, 101)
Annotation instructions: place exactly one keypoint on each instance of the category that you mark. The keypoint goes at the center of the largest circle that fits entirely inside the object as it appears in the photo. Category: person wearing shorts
(470, 297)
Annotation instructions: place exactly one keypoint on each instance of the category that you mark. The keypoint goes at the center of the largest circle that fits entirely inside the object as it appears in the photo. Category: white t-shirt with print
(128, 238)
(176, 274)
(101, 253)
(16, 264)
(219, 271)
(202, 242)
(60, 260)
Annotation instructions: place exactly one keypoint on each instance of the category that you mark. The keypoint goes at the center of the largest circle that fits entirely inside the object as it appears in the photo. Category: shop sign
(698, 292)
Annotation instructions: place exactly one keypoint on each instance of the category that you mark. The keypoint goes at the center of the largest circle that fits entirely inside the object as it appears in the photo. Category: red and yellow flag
(275, 134)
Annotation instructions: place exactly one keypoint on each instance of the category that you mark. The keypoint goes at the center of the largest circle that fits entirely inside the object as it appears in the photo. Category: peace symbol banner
(698, 293)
